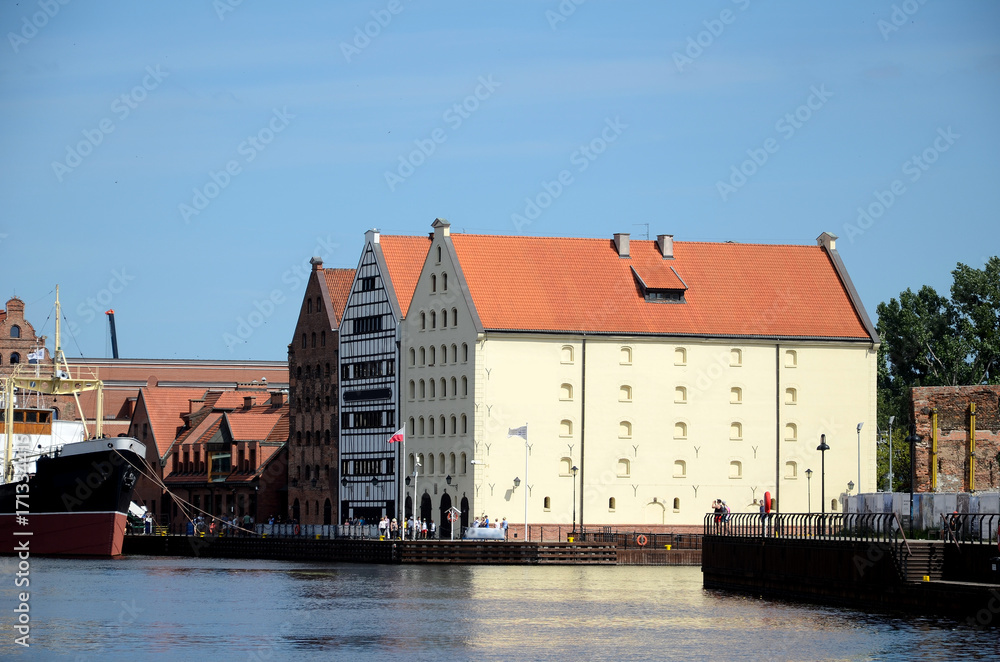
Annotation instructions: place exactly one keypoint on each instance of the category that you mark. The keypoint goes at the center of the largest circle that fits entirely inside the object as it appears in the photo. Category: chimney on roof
(442, 228)
(621, 243)
(247, 401)
(193, 405)
(666, 244)
(372, 236)
(317, 263)
(278, 399)
(827, 241)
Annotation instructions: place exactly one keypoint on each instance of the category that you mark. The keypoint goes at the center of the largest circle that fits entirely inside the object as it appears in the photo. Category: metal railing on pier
(874, 527)
(981, 528)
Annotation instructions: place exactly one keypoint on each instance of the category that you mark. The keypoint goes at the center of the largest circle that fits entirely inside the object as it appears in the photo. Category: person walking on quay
(423, 529)
(394, 528)
(503, 525)
(433, 529)
(718, 512)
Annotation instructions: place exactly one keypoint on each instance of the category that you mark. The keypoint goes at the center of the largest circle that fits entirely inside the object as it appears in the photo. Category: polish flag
(399, 436)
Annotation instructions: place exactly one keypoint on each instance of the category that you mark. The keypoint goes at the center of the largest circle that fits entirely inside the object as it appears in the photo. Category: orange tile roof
(164, 407)
(255, 424)
(404, 257)
(338, 283)
(565, 284)
(235, 399)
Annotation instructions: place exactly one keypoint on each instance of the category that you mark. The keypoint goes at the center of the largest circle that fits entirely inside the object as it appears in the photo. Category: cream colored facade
(658, 426)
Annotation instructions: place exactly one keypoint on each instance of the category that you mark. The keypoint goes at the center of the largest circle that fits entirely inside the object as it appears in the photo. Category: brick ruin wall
(953, 412)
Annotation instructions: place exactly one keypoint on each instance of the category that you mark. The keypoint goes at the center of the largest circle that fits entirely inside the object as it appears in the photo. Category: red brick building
(18, 340)
(314, 422)
(959, 429)
(230, 457)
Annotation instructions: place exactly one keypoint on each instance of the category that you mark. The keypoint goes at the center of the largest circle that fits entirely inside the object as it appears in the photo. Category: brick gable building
(313, 396)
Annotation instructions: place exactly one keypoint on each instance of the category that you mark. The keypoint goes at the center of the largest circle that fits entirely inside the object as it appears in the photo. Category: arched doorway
(655, 513)
(327, 512)
(464, 507)
(408, 507)
(445, 525)
(295, 510)
(426, 509)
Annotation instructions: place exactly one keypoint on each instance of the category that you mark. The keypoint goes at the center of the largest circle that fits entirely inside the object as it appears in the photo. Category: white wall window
(680, 469)
(680, 430)
(791, 396)
(791, 358)
(736, 395)
(624, 468)
(624, 430)
(625, 357)
(736, 469)
(680, 356)
(791, 470)
(566, 466)
(680, 395)
(566, 354)
(736, 357)
(791, 432)
(547, 504)
(677, 504)
(611, 504)
(625, 394)
(736, 431)
(566, 428)
(566, 392)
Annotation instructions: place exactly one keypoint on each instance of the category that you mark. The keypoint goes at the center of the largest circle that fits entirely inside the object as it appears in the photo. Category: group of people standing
(412, 529)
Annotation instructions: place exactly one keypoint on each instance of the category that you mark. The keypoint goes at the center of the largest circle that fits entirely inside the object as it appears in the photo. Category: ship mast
(60, 382)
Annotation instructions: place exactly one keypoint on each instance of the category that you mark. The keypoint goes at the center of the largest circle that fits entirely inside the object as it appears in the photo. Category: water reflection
(170, 608)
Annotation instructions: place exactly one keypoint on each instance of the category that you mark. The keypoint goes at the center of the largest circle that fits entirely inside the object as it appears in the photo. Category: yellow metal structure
(972, 447)
(934, 449)
(56, 379)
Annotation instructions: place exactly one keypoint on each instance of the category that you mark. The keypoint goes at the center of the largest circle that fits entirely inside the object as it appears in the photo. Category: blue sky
(181, 162)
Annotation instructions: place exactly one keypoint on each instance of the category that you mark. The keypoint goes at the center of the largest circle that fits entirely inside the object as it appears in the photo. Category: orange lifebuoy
(297, 529)
(641, 540)
(452, 517)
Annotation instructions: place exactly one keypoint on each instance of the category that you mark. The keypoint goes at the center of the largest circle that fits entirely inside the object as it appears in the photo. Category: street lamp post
(416, 468)
(809, 496)
(822, 448)
(859, 456)
(574, 469)
(891, 419)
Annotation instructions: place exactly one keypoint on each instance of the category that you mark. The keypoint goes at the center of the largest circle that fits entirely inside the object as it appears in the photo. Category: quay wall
(857, 574)
(348, 550)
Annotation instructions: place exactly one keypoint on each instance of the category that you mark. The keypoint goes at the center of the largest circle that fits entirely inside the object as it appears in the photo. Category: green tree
(931, 340)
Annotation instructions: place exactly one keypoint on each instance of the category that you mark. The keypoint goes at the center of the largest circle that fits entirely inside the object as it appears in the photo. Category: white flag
(521, 432)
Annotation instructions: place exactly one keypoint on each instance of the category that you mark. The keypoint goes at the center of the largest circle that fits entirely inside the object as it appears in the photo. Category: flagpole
(402, 483)
(526, 482)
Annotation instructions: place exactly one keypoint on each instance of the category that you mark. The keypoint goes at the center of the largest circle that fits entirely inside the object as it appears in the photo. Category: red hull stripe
(65, 534)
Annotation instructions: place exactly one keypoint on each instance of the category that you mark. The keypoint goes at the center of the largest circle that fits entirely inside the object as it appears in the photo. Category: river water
(141, 608)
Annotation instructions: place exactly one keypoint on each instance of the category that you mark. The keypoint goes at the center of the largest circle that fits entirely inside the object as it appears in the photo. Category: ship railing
(871, 527)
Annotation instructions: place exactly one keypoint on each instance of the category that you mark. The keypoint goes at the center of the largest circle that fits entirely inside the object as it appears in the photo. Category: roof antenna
(643, 225)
